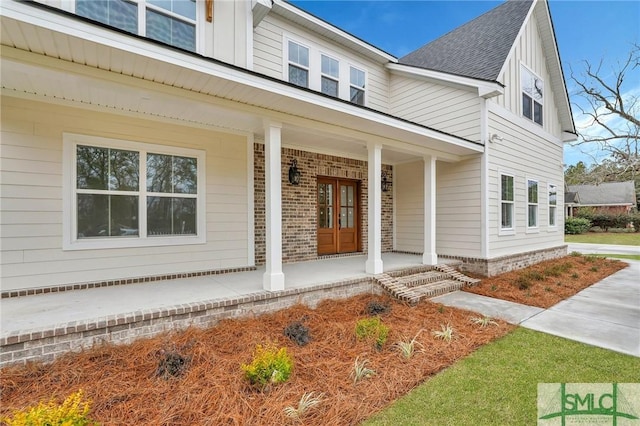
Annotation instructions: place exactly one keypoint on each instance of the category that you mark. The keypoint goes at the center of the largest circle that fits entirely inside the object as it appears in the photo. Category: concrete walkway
(606, 314)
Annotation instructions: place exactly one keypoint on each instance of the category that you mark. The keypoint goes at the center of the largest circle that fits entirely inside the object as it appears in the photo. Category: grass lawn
(626, 239)
(618, 256)
(498, 383)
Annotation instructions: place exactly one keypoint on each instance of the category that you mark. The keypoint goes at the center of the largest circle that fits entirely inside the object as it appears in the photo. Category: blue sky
(585, 30)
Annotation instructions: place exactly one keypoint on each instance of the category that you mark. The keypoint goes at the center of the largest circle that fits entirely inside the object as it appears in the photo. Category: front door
(337, 216)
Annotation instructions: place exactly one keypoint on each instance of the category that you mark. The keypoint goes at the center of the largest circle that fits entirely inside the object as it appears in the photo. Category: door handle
(339, 224)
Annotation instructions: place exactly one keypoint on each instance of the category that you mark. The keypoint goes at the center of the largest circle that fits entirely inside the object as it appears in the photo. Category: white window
(124, 194)
(532, 95)
(357, 82)
(330, 76)
(298, 64)
(532, 203)
(169, 21)
(553, 204)
(506, 202)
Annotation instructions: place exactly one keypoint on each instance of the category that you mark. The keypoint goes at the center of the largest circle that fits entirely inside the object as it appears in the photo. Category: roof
(477, 49)
(607, 193)
(571, 198)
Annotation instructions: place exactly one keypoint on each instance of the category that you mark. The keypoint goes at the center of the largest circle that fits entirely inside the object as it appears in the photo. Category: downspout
(484, 180)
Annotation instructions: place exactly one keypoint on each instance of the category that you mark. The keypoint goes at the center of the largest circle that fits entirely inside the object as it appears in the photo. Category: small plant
(559, 283)
(298, 332)
(369, 328)
(575, 254)
(306, 403)
(269, 366)
(408, 348)
(375, 307)
(535, 275)
(575, 275)
(483, 321)
(547, 289)
(441, 309)
(494, 287)
(72, 412)
(523, 282)
(594, 269)
(445, 333)
(171, 364)
(361, 371)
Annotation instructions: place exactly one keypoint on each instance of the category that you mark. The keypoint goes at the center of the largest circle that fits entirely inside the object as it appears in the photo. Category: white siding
(268, 57)
(525, 155)
(458, 208)
(528, 51)
(409, 206)
(445, 108)
(31, 206)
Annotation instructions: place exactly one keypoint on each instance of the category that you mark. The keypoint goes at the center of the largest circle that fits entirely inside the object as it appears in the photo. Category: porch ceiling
(78, 63)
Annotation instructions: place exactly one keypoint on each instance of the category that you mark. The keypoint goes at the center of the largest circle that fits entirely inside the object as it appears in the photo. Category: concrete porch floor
(47, 311)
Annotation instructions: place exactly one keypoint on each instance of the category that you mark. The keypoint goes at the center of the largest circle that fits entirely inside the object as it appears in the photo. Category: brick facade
(299, 203)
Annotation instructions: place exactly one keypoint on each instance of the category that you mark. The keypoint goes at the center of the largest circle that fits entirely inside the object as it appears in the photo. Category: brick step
(410, 271)
(423, 278)
(437, 288)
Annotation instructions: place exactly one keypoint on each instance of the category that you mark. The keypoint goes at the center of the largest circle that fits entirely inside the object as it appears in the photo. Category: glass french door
(337, 216)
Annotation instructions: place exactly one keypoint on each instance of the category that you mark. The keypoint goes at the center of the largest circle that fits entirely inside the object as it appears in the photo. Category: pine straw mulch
(549, 282)
(129, 384)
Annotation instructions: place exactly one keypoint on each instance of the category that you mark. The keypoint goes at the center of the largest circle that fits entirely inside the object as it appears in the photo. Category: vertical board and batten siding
(524, 155)
(31, 207)
(409, 206)
(268, 39)
(446, 108)
(458, 208)
(528, 51)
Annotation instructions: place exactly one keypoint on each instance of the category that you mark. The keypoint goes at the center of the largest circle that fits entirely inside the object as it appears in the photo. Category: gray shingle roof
(477, 49)
(606, 193)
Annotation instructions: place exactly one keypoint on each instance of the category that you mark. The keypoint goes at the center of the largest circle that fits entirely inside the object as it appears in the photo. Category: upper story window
(298, 64)
(532, 203)
(357, 82)
(506, 202)
(553, 204)
(330, 78)
(169, 21)
(532, 95)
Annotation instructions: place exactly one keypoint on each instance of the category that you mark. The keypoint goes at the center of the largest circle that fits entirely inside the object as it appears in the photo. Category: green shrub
(269, 366)
(635, 219)
(72, 412)
(523, 282)
(576, 225)
(372, 328)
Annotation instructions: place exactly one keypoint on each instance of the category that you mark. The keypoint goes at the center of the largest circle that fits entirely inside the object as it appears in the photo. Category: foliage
(576, 225)
(269, 366)
(445, 333)
(306, 403)
(483, 321)
(408, 348)
(604, 220)
(372, 328)
(72, 412)
(523, 282)
(375, 307)
(361, 371)
(298, 332)
(171, 364)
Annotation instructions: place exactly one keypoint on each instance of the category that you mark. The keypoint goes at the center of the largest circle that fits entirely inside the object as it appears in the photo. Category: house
(607, 197)
(143, 140)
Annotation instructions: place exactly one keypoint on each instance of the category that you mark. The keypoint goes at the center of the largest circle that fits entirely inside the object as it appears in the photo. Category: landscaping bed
(547, 283)
(196, 376)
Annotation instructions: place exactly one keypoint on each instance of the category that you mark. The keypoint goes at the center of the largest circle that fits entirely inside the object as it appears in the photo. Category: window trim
(306, 68)
(363, 88)
(536, 227)
(328, 76)
(554, 226)
(533, 101)
(70, 239)
(512, 229)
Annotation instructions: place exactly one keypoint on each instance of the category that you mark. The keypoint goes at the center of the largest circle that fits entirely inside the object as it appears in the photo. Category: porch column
(374, 224)
(273, 279)
(429, 256)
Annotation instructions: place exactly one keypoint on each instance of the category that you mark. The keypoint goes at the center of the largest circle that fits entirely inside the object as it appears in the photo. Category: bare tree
(611, 110)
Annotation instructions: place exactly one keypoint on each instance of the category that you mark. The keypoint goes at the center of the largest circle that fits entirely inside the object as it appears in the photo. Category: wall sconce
(294, 173)
(496, 138)
(386, 183)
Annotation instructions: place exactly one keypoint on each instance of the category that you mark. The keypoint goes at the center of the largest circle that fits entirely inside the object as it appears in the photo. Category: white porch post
(273, 279)
(429, 256)
(374, 244)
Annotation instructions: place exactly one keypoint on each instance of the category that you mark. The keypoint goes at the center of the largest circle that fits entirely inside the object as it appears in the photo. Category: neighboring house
(607, 197)
(145, 139)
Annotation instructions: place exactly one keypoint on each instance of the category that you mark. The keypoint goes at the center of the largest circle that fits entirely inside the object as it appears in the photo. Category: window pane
(330, 66)
(124, 170)
(533, 216)
(185, 175)
(298, 54)
(507, 188)
(526, 106)
(350, 217)
(92, 167)
(117, 13)
(186, 8)
(553, 200)
(159, 173)
(329, 87)
(171, 31)
(357, 77)
(552, 216)
(532, 191)
(298, 76)
(537, 113)
(507, 215)
(107, 215)
(171, 216)
(538, 89)
(357, 96)
(526, 81)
